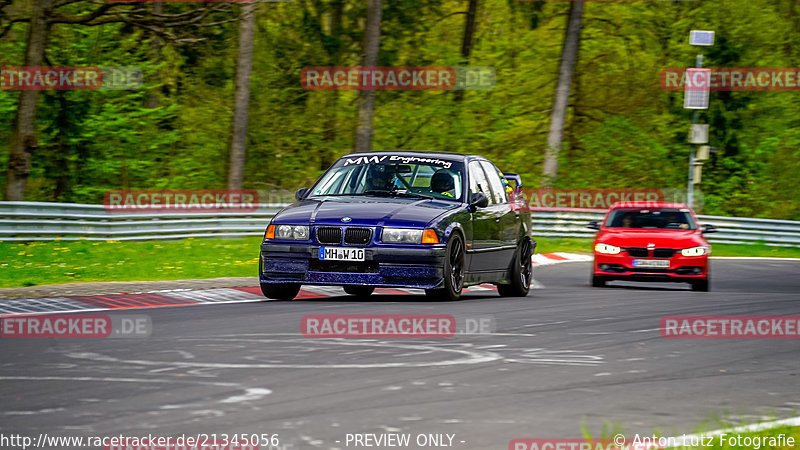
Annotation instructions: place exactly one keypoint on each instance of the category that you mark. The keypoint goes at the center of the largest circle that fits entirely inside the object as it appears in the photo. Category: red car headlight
(607, 249)
(694, 251)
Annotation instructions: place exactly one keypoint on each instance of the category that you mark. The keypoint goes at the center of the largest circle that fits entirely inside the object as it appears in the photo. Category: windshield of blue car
(654, 218)
(425, 178)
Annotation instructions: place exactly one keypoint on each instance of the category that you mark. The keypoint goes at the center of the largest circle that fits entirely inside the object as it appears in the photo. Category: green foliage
(622, 129)
(36, 263)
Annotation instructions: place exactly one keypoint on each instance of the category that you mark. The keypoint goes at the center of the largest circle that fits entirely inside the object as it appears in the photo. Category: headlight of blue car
(290, 232)
(409, 236)
(402, 236)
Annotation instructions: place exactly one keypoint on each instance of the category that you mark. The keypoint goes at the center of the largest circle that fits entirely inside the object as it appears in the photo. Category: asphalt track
(566, 357)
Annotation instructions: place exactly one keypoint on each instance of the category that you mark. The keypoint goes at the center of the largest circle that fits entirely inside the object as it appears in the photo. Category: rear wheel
(521, 272)
(360, 291)
(280, 292)
(453, 271)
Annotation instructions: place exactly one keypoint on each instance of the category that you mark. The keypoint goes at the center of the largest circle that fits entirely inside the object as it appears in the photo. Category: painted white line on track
(574, 256)
(218, 295)
(463, 355)
(546, 259)
(14, 309)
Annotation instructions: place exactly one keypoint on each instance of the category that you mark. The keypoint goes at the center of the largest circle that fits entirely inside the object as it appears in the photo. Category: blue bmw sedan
(433, 221)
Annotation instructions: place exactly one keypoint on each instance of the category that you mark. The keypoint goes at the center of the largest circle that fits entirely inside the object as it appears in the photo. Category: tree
(558, 115)
(467, 41)
(43, 15)
(23, 138)
(244, 66)
(366, 104)
(156, 44)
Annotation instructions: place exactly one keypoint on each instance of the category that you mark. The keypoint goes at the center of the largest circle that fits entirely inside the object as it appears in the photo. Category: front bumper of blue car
(420, 266)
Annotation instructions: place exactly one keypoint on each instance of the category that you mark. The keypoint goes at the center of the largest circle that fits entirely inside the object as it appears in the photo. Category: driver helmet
(442, 182)
(379, 178)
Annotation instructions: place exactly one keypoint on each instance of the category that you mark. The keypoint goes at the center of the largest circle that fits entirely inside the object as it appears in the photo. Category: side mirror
(593, 225)
(708, 228)
(478, 200)
(301, 193)
(515, 178)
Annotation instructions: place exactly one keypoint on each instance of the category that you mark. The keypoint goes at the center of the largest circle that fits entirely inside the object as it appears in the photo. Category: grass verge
(774, 435)
(584, 245)
(38, 263)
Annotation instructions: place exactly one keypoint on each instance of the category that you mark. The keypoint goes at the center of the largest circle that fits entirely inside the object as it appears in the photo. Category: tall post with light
(697, 88)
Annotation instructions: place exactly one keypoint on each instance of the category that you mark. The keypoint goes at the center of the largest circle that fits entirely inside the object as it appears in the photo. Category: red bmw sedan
(651, 241)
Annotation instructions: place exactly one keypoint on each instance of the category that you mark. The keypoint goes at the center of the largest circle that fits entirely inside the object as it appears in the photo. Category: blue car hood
(365, 211)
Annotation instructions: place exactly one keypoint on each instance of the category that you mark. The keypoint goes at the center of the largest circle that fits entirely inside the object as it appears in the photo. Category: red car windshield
(654, 218)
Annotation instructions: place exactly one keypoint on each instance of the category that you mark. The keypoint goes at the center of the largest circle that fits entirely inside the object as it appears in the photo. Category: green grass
(584, 245)
(731, 441)
(568, 245)
(37, 263)
(754, 250)
(788, 431)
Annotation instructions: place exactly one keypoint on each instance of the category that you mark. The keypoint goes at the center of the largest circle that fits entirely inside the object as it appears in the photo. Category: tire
(700, 285)
(598, 281)
(521, 272)
(359, 291)
(453, 271)
(280, 292)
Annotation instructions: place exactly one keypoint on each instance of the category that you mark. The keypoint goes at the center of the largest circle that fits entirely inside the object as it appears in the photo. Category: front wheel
(700, 285)
(521, 272)
(360, 291)
(453, 271)
(278, 292)
(598, 281)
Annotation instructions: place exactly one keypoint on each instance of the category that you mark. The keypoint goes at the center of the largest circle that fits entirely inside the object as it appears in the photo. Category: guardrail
(730, 230)
(35, 221)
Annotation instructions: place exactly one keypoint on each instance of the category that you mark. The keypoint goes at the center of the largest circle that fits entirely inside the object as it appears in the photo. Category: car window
(393, 175)
(341, 180)
(420, 177)
(498, 189)
(478, 182)
(664, 218)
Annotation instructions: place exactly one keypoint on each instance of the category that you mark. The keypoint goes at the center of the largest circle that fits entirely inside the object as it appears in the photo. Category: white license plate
(651, 263)
(341, 254)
